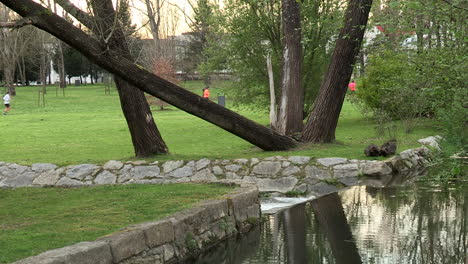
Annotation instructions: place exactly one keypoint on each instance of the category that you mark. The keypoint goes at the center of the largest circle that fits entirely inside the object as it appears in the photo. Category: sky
(179, 6)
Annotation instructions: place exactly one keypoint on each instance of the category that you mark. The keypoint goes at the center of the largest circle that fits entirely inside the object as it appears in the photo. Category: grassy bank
(87, 126)
(33, 220)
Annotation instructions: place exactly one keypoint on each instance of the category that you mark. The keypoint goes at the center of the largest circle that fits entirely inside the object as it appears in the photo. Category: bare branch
(79, 14)
(16, 24)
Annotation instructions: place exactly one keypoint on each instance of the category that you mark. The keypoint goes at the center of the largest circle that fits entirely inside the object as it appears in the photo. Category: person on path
(206, 93)
(352, 86)
(6, 102)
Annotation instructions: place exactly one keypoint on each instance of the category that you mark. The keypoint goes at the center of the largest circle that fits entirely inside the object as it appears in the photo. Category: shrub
(406, 85)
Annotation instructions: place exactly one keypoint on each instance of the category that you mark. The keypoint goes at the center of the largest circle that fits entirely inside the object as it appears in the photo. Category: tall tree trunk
(61, 66)
(419, 33)
(291, 109)
(273, 112)
(331, 217)
(113, 61)
(8, 76)
(145, 135)
(322, 122)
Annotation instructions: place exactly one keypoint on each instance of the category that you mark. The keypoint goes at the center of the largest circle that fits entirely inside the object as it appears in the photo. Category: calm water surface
(415, 224)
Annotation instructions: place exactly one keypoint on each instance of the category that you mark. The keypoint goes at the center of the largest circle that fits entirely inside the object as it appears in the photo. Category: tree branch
(79, 14)
(16, 24)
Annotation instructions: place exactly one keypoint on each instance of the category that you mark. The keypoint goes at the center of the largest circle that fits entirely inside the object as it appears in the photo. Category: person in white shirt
(6, 101)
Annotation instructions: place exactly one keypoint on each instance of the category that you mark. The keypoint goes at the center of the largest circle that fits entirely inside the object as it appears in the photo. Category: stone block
(290, 171)
(267, 168)
(232, 176)
(19, 169)
(379, 168)
(300, 160)
(282, 185)
(217, 170)
(431, 141)
(125, 244)
(345, 170)
(145, 172)
(105, 177)
(187, 222)
(113, 165)
(237, 203)
(64, 181)
(254, 161)
(233, 168)
(79, 172)
(215, 210)
(169, 166)
(21, 180)
(201, 164)
(97, 252)
(42, 167)
(349, 181)
(49, 178)
(204, 175)
(322, 188)
(241, 161)
(185, 171)
(331, 161)
(157, 233)
(312, 171)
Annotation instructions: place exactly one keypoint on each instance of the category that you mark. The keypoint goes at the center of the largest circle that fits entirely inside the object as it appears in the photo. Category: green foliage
(248, 30)
(86, 213)
(407, 85)
(448, 168)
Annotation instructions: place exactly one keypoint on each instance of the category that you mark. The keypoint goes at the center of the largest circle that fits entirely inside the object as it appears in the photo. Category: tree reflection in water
(417, 224)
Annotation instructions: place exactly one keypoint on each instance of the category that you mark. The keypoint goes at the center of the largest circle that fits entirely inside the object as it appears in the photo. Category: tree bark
(290, 116)
(322, 122)
(113, 61)
(145, 135)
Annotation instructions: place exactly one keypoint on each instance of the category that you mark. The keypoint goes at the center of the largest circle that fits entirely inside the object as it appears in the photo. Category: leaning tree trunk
(145, 135)
(114, 62)
(322, 122)
(292, 95)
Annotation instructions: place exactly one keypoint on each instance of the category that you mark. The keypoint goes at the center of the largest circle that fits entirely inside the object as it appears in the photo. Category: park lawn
(33, 220)
(87, 126)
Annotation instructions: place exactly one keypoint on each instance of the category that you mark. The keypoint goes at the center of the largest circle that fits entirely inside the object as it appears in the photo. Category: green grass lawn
(33, 220)
(87, 126)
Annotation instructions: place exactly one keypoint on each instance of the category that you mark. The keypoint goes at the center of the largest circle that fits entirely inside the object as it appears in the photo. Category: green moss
(191, 243)
(294, 193)
(252, 221)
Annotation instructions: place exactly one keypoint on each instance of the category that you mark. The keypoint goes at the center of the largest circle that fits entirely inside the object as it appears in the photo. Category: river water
(417, 224)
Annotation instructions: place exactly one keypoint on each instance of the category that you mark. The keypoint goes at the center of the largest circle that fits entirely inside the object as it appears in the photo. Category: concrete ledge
(97, 252)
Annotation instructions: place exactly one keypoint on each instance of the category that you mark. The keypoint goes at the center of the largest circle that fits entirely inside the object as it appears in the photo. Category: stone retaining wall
(186, 233)
(274, 174)
(166, 241)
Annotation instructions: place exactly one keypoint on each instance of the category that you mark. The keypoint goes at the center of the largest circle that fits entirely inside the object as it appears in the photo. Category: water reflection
(416, 224)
